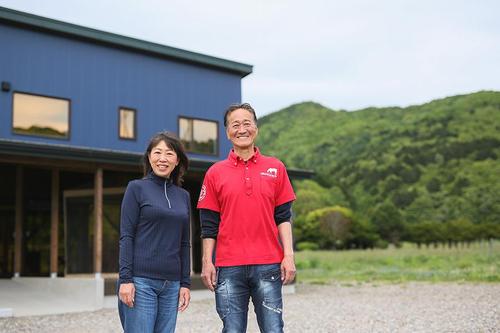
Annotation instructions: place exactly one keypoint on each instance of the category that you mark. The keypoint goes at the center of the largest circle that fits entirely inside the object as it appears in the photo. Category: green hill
(434, 162)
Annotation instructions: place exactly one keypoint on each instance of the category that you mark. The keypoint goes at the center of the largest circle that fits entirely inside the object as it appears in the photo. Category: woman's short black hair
(234, 107)
(173, 143)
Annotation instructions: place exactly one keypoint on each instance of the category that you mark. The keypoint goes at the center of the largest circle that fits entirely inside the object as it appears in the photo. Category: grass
(480, 262)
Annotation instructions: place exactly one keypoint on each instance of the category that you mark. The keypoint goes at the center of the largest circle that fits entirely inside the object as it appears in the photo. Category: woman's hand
(184, 298)
(127, 294)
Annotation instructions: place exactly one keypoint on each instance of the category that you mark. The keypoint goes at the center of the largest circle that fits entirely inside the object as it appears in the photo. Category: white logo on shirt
(203, 193)
(271, 172)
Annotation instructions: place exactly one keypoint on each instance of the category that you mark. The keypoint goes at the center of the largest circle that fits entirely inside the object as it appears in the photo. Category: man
(245, 210)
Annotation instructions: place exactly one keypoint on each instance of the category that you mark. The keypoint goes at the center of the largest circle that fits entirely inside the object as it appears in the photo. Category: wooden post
(18, 241)
(54, 219)
(98, 222)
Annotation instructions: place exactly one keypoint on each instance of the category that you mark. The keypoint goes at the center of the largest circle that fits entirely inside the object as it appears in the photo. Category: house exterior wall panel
(98, 79)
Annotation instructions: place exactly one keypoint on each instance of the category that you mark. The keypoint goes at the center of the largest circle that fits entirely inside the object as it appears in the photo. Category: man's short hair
(234, 107)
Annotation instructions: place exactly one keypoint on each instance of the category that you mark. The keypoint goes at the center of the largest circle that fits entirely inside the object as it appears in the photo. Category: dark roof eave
(70, 153)
(104, 156)
(42, 23)
(300, 173)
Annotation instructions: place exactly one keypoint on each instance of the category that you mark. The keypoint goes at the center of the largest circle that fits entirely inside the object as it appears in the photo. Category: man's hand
(288, 269)
(208, 275)
(184, 298)
(127, 294)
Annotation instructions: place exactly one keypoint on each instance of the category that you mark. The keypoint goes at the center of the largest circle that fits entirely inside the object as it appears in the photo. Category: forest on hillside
(426, 173)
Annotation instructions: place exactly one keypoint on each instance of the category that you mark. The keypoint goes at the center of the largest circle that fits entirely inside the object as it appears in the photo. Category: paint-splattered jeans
(235, 286)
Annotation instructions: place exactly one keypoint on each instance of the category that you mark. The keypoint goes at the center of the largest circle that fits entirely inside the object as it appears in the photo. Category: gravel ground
(411, 307)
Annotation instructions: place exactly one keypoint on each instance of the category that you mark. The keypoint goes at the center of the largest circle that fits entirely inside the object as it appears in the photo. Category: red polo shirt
(245, 195)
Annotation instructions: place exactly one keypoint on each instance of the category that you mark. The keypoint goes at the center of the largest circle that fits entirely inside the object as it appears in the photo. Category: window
(199, 136)
(127, 124)
(40, 116)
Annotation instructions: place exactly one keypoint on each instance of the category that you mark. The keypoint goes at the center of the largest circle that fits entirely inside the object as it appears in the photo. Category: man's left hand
(288, 269)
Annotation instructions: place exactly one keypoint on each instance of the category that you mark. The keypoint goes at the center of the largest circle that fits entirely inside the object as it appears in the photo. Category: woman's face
(163, 160)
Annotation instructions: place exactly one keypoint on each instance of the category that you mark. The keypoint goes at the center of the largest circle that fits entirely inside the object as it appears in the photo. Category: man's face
(241, 128)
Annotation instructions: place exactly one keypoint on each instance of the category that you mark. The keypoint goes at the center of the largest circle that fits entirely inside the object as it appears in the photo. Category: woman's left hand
(184, 298)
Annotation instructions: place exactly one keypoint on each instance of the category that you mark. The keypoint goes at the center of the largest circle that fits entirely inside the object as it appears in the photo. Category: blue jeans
(235, 286)
(155, 307)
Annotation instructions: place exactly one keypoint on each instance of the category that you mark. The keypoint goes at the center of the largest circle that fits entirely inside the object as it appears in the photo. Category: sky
(342, 54)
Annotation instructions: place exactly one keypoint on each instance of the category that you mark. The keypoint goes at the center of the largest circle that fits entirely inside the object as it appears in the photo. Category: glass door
(79, 230)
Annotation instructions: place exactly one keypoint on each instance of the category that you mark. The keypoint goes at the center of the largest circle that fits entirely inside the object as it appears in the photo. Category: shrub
(329, 227)
(305, 246)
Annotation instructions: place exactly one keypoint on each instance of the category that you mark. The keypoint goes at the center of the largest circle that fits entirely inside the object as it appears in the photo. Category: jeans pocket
(271, 275)
(222, 299)
(270, 282)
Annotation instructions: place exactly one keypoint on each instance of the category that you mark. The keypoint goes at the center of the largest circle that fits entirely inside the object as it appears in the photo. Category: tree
(329, 226)
(460, 230)
(310, 196)
(388, 222)
(363, 235)
(403, 198)
(433, 185)
(488, 231)
(425, 233)
(392, 183)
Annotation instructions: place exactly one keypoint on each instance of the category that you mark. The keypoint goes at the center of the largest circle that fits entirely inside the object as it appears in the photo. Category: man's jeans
(235, 286)
(155, 307)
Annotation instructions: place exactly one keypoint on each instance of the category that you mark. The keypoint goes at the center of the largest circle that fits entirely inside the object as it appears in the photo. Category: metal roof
(39, 23)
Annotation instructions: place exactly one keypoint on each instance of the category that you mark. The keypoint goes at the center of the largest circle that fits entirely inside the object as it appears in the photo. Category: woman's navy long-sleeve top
(155, 231)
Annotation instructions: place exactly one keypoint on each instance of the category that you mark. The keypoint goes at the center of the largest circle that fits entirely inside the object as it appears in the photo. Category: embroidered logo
(271, 172)
(203, 193)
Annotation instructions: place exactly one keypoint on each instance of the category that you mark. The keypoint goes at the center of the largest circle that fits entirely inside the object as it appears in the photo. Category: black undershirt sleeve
(209, 220)
(283, 213)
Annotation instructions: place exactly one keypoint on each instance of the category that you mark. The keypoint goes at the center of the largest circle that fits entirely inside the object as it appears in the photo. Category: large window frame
(193, 121)
(134, 119)
(26, 132)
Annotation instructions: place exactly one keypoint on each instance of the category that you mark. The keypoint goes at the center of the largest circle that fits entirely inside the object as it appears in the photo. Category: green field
(479, 262)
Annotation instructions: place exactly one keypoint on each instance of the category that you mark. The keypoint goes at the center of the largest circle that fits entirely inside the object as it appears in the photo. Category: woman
(154, 241)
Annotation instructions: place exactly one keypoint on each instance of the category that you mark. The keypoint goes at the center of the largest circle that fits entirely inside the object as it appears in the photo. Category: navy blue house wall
(98, 79)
